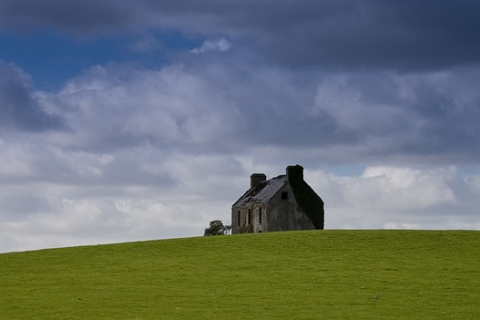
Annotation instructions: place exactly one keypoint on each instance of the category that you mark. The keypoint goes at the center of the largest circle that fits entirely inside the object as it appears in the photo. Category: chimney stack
(256, 178)
(295, 173)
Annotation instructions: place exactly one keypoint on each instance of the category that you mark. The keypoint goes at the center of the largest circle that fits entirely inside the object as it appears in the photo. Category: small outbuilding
(282, 203)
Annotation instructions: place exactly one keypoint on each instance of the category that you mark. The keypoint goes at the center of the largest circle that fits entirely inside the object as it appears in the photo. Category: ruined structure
(282, 203)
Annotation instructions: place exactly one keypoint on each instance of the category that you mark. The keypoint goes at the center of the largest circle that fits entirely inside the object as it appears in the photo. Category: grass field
(285, 275)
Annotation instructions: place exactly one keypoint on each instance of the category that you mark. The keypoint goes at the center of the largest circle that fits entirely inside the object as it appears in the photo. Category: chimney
(295, 173)
(256, 178)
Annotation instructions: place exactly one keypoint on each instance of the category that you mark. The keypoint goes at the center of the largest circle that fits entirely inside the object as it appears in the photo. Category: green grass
(284, 275)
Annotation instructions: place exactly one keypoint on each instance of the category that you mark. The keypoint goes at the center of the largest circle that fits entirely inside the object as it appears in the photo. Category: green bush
(217, 228)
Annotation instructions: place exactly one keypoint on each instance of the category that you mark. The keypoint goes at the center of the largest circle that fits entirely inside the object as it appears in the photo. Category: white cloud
(221, 45)
(397, 197)
(410, 188)
(201, 188)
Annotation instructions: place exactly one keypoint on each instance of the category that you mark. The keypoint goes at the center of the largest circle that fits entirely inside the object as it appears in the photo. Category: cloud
(71, 213)
(415, 114)
(397, 197)
(229, 105)
(393, 35)
(19, 107)
(134, 194)
(125, 107)
(221, 45)
(67, 16)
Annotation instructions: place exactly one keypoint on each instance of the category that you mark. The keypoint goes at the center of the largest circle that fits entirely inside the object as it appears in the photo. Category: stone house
(282, 203)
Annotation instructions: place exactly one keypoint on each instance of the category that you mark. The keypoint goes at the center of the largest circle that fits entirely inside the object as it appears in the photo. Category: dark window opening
(238, 218)
(260, 215)
(284, 195)
(249, 216)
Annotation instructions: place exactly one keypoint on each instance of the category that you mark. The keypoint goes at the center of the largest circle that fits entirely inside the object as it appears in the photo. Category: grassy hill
(285, 275)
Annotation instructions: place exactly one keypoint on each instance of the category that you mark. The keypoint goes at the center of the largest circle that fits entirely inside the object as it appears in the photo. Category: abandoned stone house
(282, 203)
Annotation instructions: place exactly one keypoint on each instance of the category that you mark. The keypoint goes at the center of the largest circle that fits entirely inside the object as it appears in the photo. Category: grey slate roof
(263, 192)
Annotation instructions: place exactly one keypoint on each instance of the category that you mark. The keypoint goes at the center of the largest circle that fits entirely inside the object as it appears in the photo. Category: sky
(140, 119)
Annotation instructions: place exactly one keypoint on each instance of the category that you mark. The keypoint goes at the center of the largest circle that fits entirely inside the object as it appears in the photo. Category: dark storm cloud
(392, 114)
(389, 34)
(66, 15)
(230, 105)
(18, 108)
(372, 114)
(401, 35)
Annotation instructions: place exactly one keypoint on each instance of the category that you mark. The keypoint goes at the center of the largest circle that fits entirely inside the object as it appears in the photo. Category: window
(249, 216)
(260, 215)
(238, 218)
(284, 195)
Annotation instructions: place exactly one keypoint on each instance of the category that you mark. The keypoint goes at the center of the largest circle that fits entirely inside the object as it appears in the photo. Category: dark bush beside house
(217, 228)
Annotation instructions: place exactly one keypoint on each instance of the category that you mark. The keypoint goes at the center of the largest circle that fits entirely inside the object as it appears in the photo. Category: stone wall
(284, 213)
(281, 213)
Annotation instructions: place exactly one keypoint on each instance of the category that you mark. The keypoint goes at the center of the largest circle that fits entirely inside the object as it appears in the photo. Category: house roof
(263, 192)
